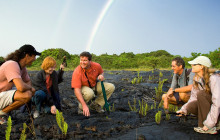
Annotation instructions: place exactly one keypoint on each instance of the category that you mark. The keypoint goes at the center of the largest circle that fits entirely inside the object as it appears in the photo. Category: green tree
(215, 58)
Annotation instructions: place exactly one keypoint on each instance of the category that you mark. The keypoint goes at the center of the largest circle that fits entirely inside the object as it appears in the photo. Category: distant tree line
(153, 60)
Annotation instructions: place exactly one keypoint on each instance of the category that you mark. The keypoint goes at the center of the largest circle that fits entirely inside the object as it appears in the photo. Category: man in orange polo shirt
(84, 82)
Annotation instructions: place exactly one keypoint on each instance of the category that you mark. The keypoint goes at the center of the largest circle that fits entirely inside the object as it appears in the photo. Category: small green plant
(167, 117)
(150, 77)
(173, 108)
(137, 80)
(152, 107)
(112, 109)
(158, 117)
(159, 89)
(134, 106)
(155, 104)
(176, 108)
(8, 130)
(133, 81)
(61, 123)
(23, 135)
(160, 104)
(143, 108)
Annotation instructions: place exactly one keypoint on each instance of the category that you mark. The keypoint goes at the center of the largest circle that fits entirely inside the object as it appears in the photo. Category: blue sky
(177, 26)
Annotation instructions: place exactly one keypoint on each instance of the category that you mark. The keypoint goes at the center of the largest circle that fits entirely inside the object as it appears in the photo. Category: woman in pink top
(205, 97)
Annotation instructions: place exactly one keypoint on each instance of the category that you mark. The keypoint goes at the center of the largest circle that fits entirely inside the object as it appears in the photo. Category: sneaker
(36, 114)
(96, 107)
(210, 131)
(2, 120)
(80, 111)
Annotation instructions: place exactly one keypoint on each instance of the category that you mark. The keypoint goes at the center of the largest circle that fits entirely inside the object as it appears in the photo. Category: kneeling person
(13, 72)
(84, 83)
(46, 84)
(181, 85)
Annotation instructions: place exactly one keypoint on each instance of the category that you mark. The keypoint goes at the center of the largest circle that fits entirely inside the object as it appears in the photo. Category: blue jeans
(39, 99)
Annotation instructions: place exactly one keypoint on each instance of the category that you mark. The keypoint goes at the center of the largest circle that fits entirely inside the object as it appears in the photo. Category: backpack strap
(187, 73)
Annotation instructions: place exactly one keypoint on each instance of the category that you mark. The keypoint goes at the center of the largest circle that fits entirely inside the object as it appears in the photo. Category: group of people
(196, 90)
(18, 90)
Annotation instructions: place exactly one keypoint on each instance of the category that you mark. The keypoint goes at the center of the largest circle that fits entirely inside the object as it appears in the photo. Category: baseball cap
(203, 60)
(29, 49)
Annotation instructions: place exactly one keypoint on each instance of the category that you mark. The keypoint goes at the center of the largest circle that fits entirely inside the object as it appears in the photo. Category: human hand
(86, 111)
(33, 90)
(53, 109)
(101, 77)
(62, 66)
(180, 113)
(170, 93)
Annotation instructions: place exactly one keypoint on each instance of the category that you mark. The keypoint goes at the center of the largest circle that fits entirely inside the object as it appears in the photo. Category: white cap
(203, 60)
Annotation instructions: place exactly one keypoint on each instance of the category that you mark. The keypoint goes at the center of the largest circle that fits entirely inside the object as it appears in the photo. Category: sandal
(210, 131)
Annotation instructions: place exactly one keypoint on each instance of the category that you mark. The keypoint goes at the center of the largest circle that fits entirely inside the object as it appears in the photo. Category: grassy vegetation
(160, 59)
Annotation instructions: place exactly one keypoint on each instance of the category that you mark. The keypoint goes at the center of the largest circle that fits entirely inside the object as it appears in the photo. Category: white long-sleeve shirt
(214, 112)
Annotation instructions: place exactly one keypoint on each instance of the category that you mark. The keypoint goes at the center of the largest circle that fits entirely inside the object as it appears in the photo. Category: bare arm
(32, 89)
(184, 89)
(79, 96)
(21, 85)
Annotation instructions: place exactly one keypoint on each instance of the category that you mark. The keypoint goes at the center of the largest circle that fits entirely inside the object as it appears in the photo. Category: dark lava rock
(121, 123)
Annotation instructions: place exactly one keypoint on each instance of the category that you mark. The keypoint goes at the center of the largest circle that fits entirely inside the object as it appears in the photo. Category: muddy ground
(121, 123)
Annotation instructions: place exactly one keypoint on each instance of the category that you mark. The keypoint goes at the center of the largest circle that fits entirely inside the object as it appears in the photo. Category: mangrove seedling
(112, 108)
(61, 123)
(159, 89)
(143, 108)
(158, 117)
(8, 130)
(167, 117)
(134, 106)
(23, 135)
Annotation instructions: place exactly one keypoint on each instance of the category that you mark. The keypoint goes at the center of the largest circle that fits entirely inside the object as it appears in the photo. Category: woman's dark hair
(86, 54)
(179, 61)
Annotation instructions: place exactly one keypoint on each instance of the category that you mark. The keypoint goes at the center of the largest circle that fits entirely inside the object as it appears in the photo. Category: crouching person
(205, 97)
(13, 73)
(84, 82)
(46, 84)
(181, 85)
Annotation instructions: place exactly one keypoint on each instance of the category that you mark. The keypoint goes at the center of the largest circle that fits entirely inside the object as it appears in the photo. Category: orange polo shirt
(79, 79)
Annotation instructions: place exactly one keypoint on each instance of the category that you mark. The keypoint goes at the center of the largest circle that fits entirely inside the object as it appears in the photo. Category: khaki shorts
(6, 98)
